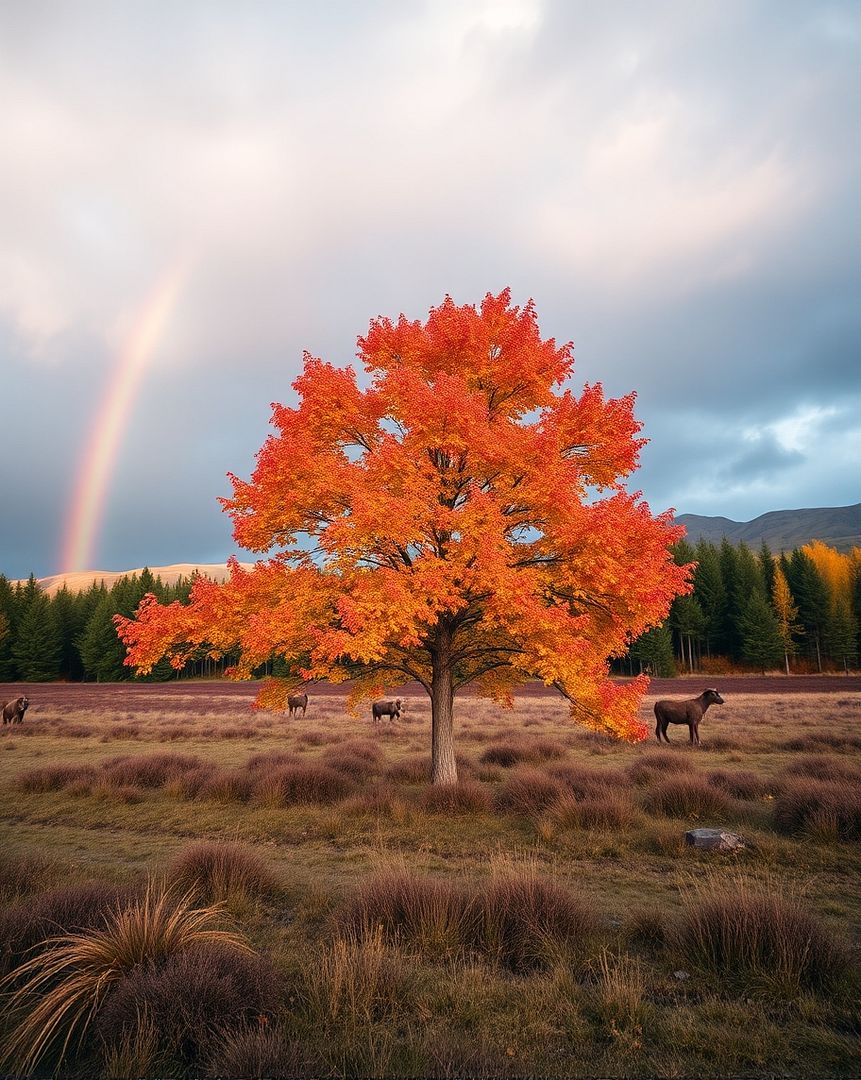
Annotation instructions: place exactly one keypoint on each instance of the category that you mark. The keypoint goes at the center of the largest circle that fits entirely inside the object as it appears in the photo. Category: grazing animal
(13, 711)
(295, 702)
(684, 712)
(392, 709)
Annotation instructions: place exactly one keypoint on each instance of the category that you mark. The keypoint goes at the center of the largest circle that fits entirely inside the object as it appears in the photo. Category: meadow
(545, 917)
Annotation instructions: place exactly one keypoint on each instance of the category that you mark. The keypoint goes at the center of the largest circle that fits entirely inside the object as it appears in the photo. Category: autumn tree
(787, 614)
(460, 520)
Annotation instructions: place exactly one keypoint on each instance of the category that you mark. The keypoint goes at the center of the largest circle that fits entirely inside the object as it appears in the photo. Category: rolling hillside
(782, 530)
(83, 579)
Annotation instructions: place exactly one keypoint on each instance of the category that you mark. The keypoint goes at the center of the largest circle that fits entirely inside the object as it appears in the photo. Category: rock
(715, 840)
(681, 975)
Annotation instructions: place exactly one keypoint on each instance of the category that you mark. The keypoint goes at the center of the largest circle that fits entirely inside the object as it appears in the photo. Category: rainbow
(87, 506)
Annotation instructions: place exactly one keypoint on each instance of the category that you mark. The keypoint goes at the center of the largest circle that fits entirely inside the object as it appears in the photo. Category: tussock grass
(355, 981)
(512, 751)
(58, 991)
(529, 791)
(739, 929)
(216, 870)
(255, 1050)
(56, 777)
(604, 810)
(302, 784)
(658, 763)
(822, 767)
(420, 913)
(465, 797)
(688, 797)
(23, 874)
(148, 770)
(824, 809)
(525, 921)
(739, 783)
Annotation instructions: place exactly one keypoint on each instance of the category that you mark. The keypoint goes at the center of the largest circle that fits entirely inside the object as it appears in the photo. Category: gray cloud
(675, 185)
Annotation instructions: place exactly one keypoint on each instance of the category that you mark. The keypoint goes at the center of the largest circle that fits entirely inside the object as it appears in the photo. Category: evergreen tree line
(71, 635)
(798, 611)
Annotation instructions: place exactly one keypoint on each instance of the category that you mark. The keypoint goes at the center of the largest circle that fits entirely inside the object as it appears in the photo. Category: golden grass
(56, 993)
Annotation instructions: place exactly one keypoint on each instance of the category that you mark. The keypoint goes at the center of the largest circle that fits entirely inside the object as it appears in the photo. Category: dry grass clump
(465, 797)
(23, 874)
(229, 785)
(823, 767)
(351, 761)
(148, 770)
(302, 784)
(512, 751)
(524, 921)
(410, 910)
(820, 741)
(379, 798)
(654, 763)
(255, 1050)
(688, 796)
(529, 791)
(356, 981)
(56, 778)
(410, 770)
(605, 810)
(739, 783)
(585, 783)
(218, 870)
(825, 809)
(60, 990)
(190, 785)
(736, 928)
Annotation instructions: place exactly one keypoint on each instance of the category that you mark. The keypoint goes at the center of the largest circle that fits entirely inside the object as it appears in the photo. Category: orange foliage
(835, 569)
(462, 510)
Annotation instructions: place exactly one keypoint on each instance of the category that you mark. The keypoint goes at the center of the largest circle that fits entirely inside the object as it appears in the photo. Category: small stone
(715, 840)
(681, 975)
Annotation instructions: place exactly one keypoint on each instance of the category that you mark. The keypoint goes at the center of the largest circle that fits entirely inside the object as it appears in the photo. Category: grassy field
(544, 918)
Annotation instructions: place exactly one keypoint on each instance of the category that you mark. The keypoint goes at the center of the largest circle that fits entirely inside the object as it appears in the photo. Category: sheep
(392, 709)
(684, 712)
(295, 702)
(13, 711)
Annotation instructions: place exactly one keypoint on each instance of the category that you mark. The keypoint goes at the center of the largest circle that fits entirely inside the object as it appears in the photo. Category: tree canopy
(461, 519)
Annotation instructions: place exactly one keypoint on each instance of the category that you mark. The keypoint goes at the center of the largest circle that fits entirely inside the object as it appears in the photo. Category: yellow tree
(838, 572)
(787, 613)
(461, 521)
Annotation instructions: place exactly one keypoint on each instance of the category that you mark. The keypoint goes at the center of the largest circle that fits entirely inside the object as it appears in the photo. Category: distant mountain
(782, 530)
(83, 579)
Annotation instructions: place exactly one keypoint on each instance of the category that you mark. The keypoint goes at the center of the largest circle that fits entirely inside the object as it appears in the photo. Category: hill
(83, 579)
(782, 530)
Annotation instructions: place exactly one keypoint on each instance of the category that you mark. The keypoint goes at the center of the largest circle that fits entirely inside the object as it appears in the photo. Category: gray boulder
(715, 840)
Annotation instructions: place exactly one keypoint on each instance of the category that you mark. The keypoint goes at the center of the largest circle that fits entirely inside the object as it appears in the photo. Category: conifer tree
(811, 595)
(760, 635)
(9, 611)
(654, 652)
(101, 653)
(711, 595)
(37, 647)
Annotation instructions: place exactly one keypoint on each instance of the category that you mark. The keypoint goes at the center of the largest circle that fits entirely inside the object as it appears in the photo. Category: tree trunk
(818, 655)
(786, 658)
(444, 766)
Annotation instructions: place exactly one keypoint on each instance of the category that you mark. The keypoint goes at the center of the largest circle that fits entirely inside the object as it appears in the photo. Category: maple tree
(460, 520)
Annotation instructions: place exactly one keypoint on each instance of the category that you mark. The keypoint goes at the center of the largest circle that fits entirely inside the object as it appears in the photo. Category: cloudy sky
(675, 184)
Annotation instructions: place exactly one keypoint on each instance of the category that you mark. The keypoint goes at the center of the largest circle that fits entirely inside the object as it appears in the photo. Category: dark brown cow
(684, 712)
(392, 709)
(295, 702)
(13, 711)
